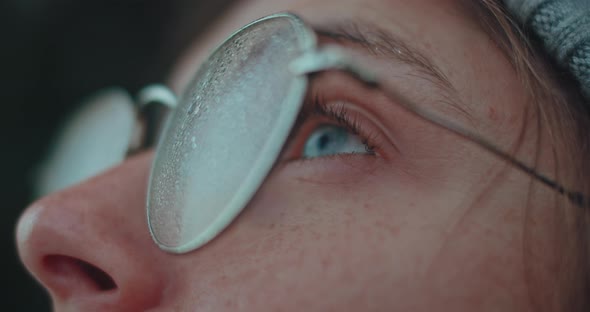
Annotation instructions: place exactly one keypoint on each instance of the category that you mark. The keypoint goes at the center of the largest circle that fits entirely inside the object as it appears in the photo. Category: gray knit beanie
(564, 28)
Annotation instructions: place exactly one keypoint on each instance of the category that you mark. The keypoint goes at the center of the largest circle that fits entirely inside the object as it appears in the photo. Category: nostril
(77, 275)
(102, 280)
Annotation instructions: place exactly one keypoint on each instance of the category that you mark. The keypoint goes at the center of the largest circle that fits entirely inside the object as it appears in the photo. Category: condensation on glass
(226, 133)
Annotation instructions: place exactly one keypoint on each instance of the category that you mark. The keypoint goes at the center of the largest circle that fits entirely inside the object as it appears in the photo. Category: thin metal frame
(319, 59)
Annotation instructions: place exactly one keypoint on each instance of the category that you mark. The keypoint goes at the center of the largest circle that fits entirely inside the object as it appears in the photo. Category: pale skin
(431, 223)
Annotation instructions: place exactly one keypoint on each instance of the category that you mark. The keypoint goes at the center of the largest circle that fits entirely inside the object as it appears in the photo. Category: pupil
(330, 140)
(324, 141)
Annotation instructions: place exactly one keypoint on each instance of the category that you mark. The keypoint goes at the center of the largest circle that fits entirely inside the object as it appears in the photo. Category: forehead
(407, 17)
(443, 30)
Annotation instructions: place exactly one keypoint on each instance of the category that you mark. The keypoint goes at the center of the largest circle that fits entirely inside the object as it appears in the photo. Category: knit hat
(564, 28)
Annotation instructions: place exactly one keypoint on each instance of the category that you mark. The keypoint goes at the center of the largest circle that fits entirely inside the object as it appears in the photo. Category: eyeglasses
(226, 133)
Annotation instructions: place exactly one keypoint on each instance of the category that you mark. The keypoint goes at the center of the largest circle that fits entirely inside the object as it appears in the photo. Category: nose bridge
(90, 246)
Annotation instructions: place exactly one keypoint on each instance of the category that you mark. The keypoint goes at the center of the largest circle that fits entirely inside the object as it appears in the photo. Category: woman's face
(427, 222)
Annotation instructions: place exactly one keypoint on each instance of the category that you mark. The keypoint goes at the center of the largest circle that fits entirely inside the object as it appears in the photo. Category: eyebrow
(381, 42)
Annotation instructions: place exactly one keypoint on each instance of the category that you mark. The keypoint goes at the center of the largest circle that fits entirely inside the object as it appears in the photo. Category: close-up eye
(328, 140)
(337, 120)
(328, 129)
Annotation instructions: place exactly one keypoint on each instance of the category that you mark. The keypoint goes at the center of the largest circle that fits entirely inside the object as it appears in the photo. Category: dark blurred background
(53, 53)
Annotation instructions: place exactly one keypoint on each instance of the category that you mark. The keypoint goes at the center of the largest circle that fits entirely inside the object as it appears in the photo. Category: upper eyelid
(328, 116)
(341, 89)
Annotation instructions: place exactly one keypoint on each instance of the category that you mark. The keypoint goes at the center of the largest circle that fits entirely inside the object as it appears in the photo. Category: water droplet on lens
(195, 105)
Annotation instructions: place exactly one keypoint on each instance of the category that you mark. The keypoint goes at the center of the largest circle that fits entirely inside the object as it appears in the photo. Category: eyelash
(336, 112)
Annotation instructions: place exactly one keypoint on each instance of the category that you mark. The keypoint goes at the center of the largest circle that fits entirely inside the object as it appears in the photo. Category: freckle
(394, 230)
(492, 113)
(272, 226)
(347, 223)
(326, 263)
(300, 258)
(229, 303)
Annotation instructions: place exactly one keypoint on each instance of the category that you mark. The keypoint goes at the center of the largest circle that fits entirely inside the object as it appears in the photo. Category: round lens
(227, 132)
(93, 140)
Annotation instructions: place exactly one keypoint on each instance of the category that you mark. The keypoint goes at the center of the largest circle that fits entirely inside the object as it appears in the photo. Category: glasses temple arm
(575, 197)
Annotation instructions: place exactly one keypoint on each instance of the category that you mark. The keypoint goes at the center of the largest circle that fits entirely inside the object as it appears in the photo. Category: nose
(90, 245)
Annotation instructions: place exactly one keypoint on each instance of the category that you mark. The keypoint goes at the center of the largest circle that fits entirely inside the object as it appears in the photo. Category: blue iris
(328, 140)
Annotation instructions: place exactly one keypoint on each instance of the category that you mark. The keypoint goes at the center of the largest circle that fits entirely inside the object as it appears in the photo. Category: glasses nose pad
(154, 103)
(93, 139)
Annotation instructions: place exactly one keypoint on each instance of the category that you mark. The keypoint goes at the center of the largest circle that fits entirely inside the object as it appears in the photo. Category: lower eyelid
(335, 170)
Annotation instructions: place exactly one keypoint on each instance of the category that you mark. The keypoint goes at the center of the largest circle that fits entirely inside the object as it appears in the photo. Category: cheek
(310, 245)
(370, 246)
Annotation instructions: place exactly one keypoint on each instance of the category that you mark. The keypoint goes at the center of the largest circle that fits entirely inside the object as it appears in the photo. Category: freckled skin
(437, 228)
(492, 113)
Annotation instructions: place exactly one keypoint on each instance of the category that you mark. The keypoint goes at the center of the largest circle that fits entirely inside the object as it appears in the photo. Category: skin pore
(430, 222)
